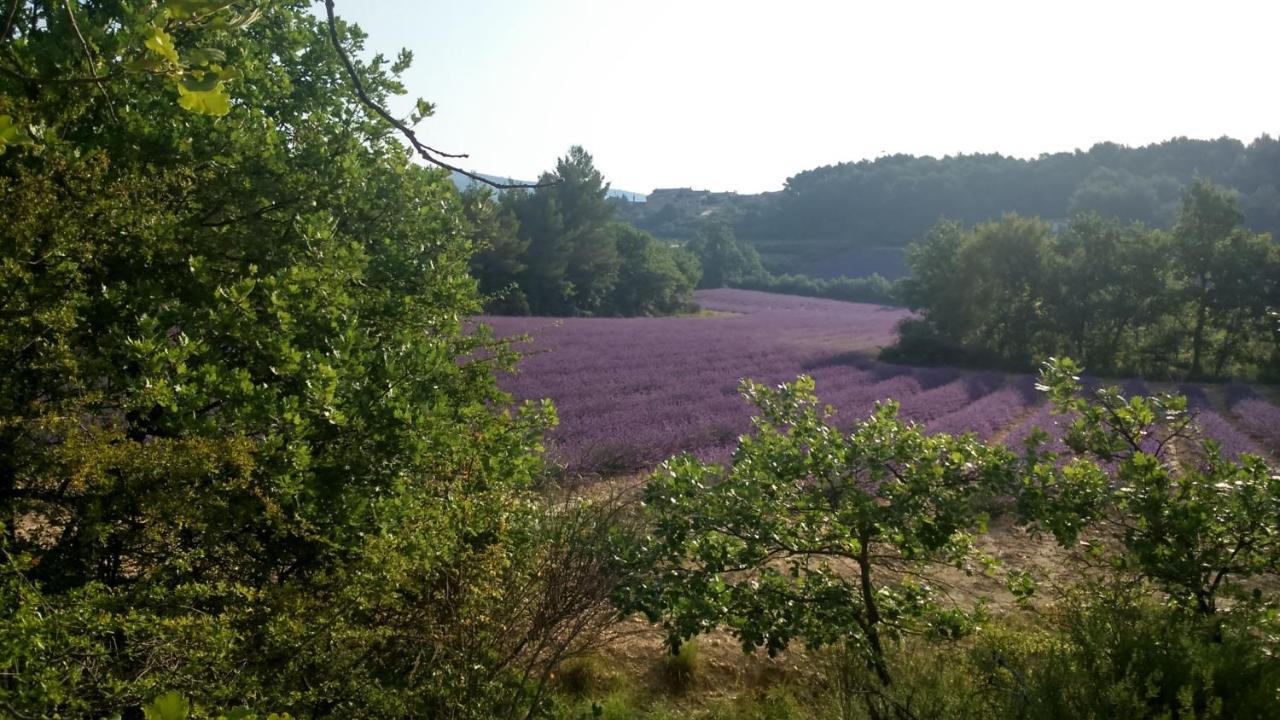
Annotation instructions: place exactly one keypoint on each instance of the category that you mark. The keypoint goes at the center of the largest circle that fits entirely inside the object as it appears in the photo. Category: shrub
(811, 534)
(584, 676)
(680, 667)
(1119, 652)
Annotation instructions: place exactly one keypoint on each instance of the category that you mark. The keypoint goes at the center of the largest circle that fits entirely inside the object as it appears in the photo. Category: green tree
(1103, 280)
(980, 289)
(1198, 526)
(1117, 194)
(556, 251)
(934, 288)
(725, 260)
(572, 261)
(499, 250)
(1122, 297)
(1003, 262)
(814, 535)
(1226, 272)
(653, 279)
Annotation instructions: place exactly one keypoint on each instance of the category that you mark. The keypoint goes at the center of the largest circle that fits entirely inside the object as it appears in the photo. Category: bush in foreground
(811, 535)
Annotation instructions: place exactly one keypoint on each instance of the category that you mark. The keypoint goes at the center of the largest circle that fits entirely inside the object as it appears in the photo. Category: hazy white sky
(741, 94)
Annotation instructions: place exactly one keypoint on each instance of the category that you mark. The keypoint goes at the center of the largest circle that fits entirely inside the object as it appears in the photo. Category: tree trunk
(1229, 345)
(873, 616)
(1197, 339)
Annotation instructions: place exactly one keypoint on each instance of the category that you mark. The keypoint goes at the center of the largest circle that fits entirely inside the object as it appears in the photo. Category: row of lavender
(632, 392)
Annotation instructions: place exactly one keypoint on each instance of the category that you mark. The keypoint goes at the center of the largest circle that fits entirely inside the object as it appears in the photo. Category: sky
(742, 94)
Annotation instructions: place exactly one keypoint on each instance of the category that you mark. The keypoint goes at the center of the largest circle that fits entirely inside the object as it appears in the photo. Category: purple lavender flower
(632, 392)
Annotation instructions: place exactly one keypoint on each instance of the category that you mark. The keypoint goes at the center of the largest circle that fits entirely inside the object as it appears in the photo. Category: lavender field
(632, 392)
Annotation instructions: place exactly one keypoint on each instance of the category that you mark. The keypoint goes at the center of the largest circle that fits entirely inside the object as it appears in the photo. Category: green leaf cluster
(725, 260)
(1150, 493)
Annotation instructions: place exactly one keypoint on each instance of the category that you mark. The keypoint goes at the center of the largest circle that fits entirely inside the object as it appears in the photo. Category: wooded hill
(829, 216)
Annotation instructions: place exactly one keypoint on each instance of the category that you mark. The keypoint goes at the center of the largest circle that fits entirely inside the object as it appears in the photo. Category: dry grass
(635, 650)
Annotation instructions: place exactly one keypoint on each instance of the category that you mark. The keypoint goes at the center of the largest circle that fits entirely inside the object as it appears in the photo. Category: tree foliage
(726, 261)
(892, 200)
(1192, 302)
(654, 278)
(557, 251)
(1157, 495)
(823, 215)
(571, 263)
(814, 535)
(499, 249)
(248, 450)
(66, 48)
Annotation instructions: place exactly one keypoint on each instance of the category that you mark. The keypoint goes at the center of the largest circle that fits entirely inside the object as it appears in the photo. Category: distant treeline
(1196, 301)
(728, 261)
(892, 200)
(871, 289)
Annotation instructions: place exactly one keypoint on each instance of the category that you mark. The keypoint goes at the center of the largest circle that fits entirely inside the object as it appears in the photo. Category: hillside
(823, 214)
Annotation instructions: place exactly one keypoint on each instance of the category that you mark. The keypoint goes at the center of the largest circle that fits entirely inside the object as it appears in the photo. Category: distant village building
(688, 200)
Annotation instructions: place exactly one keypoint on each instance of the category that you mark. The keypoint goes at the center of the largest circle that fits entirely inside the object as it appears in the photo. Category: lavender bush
(1233, 441)
(1255, 415)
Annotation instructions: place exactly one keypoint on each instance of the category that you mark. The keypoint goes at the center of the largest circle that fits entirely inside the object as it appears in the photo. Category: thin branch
(88, 54)
(8, 23)
(209, 223)
(197, 19)
(427, 152)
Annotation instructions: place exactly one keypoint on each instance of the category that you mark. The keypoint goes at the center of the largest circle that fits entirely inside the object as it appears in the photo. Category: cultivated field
(632, 392)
